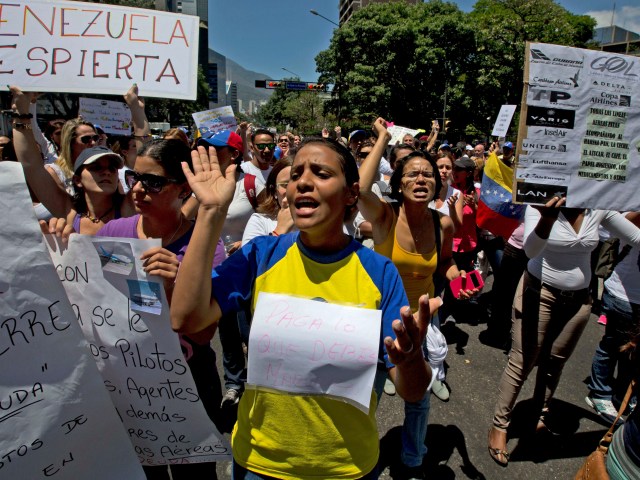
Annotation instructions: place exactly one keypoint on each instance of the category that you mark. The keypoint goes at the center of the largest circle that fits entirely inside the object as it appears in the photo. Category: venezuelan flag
(496, 212)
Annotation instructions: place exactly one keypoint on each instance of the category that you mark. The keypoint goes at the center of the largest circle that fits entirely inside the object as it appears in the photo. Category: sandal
(501, 457)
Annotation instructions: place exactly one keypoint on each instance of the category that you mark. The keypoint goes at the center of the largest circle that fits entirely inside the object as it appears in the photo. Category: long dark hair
(169, 153)
(396, 178)
(267, 202)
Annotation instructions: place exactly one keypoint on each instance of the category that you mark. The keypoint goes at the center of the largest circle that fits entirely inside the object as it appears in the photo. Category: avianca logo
(538, 55)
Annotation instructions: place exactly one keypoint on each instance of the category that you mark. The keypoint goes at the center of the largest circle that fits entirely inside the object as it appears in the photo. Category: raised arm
(141, 130)
(56, 200)
(193, 307)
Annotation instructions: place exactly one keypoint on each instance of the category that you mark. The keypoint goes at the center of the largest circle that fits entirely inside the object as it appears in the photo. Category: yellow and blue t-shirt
(297, 436)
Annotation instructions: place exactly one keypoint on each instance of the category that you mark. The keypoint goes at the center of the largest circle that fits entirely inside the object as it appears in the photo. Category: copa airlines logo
(611, 99)
(550, 117)
(538, 56)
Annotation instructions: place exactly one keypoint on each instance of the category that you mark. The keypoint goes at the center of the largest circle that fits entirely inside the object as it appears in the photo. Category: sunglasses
(98, 167)
(262, 146)
(362, 154)
(88, 138)
(283, 140)
(151, 183)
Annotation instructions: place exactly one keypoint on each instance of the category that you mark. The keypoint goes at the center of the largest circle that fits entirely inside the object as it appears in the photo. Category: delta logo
(539, 56)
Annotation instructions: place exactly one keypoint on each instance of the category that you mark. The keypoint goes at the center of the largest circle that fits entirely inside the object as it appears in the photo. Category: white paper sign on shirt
(581, 124)
(113, 117)
(56, 418)
(215, 120)
(312, 347)
(501, 127)
(96, 48)
(125, 318)
(397, 133)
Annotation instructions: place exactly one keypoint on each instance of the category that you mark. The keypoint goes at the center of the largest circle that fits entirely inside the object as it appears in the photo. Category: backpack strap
(250, 189)
(436, 229)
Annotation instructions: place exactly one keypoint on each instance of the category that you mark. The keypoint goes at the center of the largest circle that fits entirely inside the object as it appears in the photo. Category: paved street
(457, 434)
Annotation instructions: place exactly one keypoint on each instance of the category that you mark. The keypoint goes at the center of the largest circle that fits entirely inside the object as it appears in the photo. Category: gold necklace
(96, 219)
(177, 229)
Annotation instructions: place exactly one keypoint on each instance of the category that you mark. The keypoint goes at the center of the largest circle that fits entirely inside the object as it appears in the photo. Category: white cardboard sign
(113, 117)
(501, 127)
(124, 316)
(62, 46)
(215, 120)
(314, 348)
(397, 132)
(56, 419)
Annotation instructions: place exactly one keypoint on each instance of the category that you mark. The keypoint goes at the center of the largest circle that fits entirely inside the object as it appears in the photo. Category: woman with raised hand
(279, 434)
(418, 241)
(92, 197)
(449, 200)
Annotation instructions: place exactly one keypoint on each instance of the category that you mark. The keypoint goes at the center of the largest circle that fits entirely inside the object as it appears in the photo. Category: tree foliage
(397, 60)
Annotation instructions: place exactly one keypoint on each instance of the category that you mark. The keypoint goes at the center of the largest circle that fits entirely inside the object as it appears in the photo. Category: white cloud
(627, 17)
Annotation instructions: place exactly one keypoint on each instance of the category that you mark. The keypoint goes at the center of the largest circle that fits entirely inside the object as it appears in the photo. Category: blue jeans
(414, 431)
(241, 473)
(233, 364)
(620, 324)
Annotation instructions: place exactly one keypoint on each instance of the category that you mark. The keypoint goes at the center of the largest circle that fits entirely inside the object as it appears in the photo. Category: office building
(618, 40)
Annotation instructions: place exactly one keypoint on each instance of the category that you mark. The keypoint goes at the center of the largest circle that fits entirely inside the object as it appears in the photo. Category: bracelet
(20, 125)
(22, 116)
(275, 234)
(142, 136)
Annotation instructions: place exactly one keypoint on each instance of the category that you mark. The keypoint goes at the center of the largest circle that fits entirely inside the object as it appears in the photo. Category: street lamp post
(292, 73)
(322, 16)
(339, 72)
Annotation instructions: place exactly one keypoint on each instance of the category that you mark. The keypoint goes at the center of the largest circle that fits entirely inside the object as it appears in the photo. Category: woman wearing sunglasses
(158, 188)
(273, 216)
(94, 175)
(418, 241)
(279, 435)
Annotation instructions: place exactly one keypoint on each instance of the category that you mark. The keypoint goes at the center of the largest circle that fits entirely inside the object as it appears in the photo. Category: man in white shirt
(263, 145)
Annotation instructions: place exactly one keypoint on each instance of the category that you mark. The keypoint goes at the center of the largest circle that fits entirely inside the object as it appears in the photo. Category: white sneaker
(440, 390)
(604, 408)
(230, 398)
(389, 388)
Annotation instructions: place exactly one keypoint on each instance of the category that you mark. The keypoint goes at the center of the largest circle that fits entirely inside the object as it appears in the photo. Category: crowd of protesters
(355, 221)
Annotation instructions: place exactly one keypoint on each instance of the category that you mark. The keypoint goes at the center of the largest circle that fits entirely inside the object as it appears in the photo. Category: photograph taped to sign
(580, 122)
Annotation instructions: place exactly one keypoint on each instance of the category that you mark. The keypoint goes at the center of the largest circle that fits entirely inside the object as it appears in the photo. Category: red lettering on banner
(91, 24)
(49, 30)
(131, 29)
(124, 23)
(55, 62)
(153, 34)
(46, 65)
(123, 67)
(2, 61)
(96, 63)
(84, 55)
(63, 23)
(173, 34)
(2, 5)
(144, 70)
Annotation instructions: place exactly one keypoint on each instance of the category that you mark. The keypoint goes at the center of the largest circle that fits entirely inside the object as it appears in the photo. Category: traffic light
(274, 84)
(316, 86)
(447, 125)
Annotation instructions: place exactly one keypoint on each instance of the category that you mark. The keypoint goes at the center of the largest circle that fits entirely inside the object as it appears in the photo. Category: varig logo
(550, 117)
(614, 65)
(538, 56)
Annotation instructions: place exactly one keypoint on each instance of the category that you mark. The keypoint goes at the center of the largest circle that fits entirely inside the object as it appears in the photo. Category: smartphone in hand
(472, 282)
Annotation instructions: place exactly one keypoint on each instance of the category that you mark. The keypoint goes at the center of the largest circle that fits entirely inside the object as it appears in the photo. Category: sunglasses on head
(88, 138)
(362, 154)
(151, 183)
(262, 146)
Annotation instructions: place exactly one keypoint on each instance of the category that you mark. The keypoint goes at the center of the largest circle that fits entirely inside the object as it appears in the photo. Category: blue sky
(268, 35)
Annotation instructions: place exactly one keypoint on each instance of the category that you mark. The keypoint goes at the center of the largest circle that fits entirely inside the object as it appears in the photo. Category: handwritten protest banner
(501, 127)
(56, 418)
(215, 120)
(397, 132)
(125, 318)
(113, 117)
(310, 347)
(96, 48)
(579, 131)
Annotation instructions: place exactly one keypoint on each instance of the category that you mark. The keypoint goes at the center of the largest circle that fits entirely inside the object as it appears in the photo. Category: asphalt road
(457, 432)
